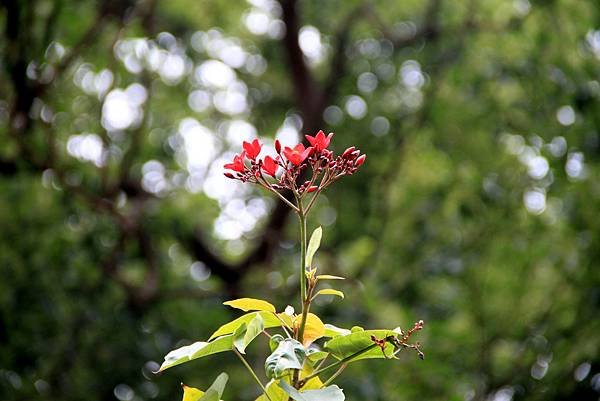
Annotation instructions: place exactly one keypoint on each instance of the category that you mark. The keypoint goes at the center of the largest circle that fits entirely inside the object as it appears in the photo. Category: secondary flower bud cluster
(287, 168)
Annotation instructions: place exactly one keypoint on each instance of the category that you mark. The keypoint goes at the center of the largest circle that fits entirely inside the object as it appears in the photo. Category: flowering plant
(300, 344)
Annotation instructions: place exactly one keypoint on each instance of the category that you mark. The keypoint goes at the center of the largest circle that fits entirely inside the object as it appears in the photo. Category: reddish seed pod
(360, 160)
(312, 188)
(348, 151)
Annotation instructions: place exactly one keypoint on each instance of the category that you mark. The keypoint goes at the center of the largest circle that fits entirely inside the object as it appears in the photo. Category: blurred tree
(477, 209)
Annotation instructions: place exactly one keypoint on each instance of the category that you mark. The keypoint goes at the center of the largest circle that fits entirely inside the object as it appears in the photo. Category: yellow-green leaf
(250, 332)
(329, 277)
(251, 304)
(196, 350)
(313, 245)
(269, 320)
(287, 319)
(275, 393)
(329, 393)
(313, 330)
(330, 291)
(311, 384)
(213, 393)
(191, 393)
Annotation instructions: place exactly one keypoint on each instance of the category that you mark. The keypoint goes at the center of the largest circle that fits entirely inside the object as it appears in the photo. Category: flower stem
(303, 295)
(302, 218)
(265, 184)
(252, 373)
(305, 299)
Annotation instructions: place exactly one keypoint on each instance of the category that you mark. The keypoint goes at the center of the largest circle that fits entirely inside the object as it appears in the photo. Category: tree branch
(307, 93)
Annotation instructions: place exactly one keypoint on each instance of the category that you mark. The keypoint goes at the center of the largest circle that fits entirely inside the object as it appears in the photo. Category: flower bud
(229, 175)
(355, 153)
(360, 160)
(348, 151)
(277, 146)
(312, 188)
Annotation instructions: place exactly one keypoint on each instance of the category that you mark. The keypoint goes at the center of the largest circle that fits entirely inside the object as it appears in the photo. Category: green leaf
(269, 320)
(329, 277)
(329, 393)
(330, 291)
(196, 350)
(210, 395)
(289, 354)
(333, 331)
(346, 345)
(215, 391)
(313, 245)
(274, 341)
(238, 336)
(251, 304)
(315, 354)
(250, 332)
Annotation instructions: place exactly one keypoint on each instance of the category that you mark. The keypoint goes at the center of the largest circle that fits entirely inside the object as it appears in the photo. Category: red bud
(312, 188)
(348, 151)
(355, 153)
(229, 175)
(360, 160)
(277, 146)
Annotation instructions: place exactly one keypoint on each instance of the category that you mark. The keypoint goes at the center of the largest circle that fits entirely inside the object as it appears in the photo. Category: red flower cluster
(292, 162)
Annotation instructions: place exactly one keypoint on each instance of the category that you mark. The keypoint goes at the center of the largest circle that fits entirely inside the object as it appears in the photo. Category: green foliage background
(502, 110)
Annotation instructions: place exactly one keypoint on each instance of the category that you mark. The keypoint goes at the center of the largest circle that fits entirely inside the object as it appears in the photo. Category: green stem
(340, 362)
(322, 362)
(302, 218)
(336, 374)
(305, 309)
(303, 295)
(252, 373)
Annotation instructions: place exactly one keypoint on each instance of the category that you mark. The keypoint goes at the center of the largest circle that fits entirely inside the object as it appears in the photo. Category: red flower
(252, 149)
(237, 164)
(296, 155)
(348, 151)
(360, 160)
(269, 166)
(320, 141)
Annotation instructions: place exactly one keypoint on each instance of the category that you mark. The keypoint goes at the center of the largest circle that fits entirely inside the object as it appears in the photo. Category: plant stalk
(303, 295)
(340, 362)
(336, 374)
(302, 218)
(252, 373)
